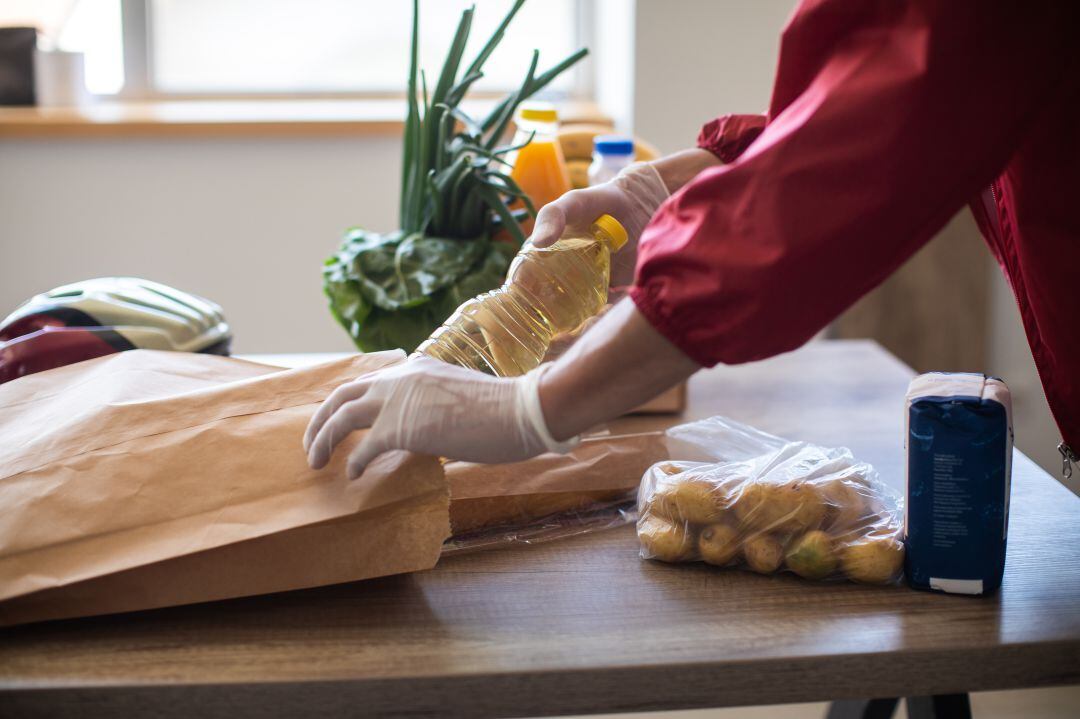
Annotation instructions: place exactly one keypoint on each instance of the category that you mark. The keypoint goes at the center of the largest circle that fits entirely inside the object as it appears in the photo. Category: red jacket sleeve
(728, 137)
(885, 118)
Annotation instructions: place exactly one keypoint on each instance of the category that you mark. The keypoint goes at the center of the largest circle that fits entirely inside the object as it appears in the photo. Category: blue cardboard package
(959, 460)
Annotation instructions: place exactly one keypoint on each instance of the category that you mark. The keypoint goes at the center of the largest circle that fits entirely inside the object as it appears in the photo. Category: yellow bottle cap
(538, 113)
(607, 228)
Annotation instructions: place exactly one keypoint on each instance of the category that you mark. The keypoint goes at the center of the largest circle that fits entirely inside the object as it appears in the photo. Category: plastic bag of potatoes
(772, 506)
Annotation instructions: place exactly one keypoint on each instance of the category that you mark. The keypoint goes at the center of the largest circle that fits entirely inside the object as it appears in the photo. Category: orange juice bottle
(539, 167)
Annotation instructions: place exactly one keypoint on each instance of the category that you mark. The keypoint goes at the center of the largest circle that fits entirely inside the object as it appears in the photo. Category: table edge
(584, 690)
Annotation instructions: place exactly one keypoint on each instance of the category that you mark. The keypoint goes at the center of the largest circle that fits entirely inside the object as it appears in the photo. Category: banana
(577, 143)
(579, 173)
(577, 140)
(644, 151)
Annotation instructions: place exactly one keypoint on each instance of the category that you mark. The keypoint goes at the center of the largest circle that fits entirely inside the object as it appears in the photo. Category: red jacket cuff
(728, 137)
(651, 303)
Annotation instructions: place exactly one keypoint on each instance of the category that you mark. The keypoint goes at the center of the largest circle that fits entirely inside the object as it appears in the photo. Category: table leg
(862, 709)
(939, 706)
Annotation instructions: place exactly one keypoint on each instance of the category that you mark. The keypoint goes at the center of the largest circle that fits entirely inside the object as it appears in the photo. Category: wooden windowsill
(226, 118)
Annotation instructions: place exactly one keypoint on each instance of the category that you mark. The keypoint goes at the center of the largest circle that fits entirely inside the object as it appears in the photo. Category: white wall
(246, 223)
(697, 59)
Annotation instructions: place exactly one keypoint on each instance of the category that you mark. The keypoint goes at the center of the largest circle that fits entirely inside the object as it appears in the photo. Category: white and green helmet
(109, 314)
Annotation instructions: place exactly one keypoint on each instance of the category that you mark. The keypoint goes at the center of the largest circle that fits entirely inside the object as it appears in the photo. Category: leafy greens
(392, 290)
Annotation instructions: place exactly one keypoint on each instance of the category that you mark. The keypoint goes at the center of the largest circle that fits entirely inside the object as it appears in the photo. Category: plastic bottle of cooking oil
(548, 291)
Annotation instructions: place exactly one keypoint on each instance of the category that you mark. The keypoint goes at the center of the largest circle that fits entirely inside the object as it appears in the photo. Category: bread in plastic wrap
(769, 505)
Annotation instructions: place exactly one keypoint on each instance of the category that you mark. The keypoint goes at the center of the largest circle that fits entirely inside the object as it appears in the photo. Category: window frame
(138, 86)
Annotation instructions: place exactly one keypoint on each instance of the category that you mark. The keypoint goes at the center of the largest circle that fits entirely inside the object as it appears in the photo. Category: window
(290, 46)
(267, 48)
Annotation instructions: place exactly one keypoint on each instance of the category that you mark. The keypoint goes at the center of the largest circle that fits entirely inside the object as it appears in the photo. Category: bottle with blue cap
(611, 153)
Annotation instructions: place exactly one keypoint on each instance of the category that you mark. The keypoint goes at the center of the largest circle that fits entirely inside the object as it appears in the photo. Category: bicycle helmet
(97, 317)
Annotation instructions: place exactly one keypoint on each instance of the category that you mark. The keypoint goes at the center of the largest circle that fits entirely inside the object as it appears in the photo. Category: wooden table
(583, 625)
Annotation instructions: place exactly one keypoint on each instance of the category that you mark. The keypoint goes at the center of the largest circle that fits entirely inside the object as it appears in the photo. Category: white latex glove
(430, 407)
(632, 198)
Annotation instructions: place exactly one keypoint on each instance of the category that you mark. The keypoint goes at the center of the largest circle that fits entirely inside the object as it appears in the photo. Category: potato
(665, 540)
(692, 500)
(791, 507)
(752, 505)
(801, 506)
(718, 544)
(812, 555)
(763, 553)
(873, 560)
(844, 505)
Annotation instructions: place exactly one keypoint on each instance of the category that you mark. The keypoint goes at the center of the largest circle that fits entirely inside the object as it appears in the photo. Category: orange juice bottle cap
(538, 113)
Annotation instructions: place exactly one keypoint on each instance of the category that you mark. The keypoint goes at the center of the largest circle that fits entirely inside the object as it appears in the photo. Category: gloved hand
(632, 198)
(430, 407)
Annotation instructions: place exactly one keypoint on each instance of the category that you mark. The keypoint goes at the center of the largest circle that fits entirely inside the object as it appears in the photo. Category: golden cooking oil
(548, 291)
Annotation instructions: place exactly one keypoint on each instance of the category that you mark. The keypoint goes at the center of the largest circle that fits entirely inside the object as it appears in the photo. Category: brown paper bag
(148, 479)
(603, 468)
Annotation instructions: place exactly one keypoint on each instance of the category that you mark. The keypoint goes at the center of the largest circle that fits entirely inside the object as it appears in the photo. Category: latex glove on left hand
(632, 198)
(430, 407)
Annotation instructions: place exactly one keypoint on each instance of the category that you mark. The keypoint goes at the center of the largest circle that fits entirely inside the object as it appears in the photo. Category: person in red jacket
(886, 119)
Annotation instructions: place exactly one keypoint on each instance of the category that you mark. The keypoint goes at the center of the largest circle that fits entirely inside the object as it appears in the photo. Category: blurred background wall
(248, 222)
